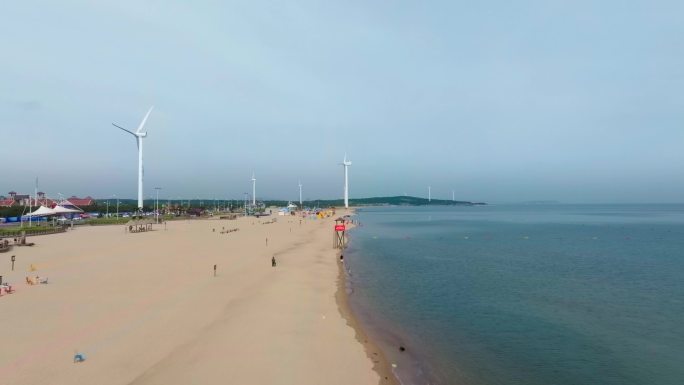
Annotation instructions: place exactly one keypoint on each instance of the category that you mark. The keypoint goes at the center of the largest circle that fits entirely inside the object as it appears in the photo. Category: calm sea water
(546, 294)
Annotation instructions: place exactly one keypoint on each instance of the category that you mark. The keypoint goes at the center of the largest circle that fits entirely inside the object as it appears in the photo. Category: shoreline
(381, 345)
(381, 364)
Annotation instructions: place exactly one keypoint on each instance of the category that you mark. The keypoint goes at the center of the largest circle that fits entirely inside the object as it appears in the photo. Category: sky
(498, 101)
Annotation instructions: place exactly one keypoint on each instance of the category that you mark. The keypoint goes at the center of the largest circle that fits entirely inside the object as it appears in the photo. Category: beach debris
(402, 348)
(79, 357)
(394, 365)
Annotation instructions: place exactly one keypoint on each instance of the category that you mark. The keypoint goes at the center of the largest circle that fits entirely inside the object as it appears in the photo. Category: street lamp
(117, 205)
(156, 203)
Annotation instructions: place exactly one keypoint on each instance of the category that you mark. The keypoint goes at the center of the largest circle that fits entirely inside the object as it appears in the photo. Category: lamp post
(156, 204)
(117, 205)
(107, 215)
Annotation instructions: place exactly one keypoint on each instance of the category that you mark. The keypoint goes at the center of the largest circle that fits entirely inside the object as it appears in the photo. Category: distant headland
(383, 201)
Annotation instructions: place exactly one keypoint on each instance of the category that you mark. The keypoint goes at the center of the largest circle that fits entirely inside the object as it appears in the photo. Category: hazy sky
(576, 101)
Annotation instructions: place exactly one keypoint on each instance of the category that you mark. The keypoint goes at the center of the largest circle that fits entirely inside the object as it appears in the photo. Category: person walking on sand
(273, 261)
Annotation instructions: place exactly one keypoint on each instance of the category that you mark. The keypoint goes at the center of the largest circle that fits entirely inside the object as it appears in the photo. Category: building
(15, 199)
(44, 201)
(80, 202)
(6, 202)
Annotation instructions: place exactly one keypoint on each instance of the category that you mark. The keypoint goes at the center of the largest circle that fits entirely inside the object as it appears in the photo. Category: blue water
(546, 294)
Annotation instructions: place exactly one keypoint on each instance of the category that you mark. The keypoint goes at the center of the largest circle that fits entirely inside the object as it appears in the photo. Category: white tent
(42, 211)
(64, 210)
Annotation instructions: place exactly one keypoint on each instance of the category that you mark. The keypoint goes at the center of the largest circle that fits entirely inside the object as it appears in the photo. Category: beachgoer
(273, 261)
(214, 270)
(341, 258)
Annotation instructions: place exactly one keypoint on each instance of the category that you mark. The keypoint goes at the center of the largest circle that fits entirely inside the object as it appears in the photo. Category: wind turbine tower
(453, 196)
(346, 163)
(300, 194)
(253, 189)
(429, 193)
(139, 135)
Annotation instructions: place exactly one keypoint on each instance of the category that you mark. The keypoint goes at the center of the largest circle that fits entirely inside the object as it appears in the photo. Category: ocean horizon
(523, 294)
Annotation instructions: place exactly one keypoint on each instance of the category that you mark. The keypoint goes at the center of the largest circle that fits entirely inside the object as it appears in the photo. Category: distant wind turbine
(429, 193)
(300, 194)
(346, 163)
(139, 135)
(453, 195)
(253, 189)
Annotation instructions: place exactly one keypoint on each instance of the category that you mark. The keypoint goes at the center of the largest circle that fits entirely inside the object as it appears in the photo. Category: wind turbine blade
(132, 133)
(142, 124)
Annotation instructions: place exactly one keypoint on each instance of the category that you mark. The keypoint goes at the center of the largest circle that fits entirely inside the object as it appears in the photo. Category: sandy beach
(146, 308)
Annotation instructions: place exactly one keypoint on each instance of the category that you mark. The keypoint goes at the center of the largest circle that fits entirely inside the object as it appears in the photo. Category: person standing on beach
(273, 261)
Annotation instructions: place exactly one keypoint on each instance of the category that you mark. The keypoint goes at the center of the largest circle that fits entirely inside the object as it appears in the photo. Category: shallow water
(547, 294)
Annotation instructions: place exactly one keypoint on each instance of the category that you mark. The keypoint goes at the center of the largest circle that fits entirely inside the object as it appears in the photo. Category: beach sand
(145, 308)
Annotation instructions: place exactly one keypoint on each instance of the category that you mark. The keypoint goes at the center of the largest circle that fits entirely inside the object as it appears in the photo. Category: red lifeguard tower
(339, 236)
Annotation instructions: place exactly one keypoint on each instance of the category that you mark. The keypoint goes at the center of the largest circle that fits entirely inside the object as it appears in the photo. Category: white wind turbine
(139, 135)
(429, 193)
(300, 194)
(253, 189)
(346, 163)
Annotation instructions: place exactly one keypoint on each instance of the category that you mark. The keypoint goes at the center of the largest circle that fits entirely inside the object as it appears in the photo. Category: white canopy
(42, 212)
(64, 210)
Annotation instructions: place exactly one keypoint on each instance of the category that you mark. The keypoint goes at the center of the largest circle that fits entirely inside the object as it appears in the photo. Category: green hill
(380, 201)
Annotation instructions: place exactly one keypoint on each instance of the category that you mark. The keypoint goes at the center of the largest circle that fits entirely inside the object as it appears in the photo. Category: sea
(523, 294)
